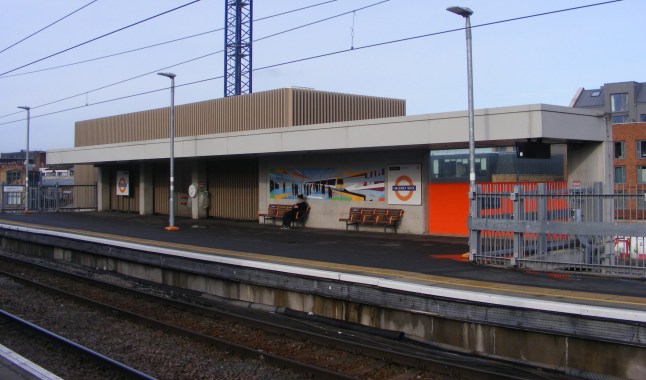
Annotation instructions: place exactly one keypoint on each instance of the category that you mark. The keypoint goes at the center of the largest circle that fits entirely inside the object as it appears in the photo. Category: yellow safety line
(476, 284)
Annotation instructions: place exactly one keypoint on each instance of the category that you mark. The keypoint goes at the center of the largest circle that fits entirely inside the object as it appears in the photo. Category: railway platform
(15, 367)
(418, 284)
(432, 259)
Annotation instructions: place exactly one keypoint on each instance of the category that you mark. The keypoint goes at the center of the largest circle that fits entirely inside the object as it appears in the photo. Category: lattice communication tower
(237, 47)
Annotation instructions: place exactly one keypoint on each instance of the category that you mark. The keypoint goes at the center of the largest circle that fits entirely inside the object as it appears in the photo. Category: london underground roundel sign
(123, 183)
(404, 184)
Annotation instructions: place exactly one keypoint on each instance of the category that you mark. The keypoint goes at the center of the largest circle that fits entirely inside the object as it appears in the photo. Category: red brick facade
(630, 134)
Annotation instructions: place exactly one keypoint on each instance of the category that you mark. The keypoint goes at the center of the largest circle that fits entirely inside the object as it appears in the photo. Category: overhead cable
(200, 57)
(99, 37)
(160, 43)
(41, 29)
(331, 54)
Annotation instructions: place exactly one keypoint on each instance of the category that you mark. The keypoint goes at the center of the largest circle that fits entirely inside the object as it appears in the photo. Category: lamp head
(461, 11)
(168, 75)
(24, 108)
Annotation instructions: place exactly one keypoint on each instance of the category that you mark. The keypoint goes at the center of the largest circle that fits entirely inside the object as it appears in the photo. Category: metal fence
(560, 226)
(49, 198)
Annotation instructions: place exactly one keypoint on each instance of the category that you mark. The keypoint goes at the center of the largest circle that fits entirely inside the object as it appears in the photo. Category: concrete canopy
(493, 127)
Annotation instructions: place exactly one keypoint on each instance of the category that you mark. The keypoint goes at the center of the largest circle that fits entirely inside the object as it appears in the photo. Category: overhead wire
(160, 43)
(209, 54)
(335, 53)
(45, 27)
(99, 37)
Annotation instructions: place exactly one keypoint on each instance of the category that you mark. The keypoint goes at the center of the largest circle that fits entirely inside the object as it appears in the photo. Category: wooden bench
(354, 218)
(277, 211)
(385, 217)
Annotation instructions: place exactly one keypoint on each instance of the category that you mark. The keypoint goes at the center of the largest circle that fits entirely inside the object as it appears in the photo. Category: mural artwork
(362, 185)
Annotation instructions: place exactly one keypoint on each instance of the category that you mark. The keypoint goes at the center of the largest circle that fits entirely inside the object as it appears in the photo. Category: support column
(102, 189)
(146, 189)
(198, 180)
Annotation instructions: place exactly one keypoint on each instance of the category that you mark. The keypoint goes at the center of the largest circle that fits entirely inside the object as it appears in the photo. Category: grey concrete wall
(586, 162)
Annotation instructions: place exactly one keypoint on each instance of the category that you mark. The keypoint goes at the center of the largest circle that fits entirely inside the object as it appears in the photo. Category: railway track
(305, 345)
(95, 364)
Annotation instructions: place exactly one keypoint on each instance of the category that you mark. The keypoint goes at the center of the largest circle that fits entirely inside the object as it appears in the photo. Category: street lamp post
(473, 235)
(27, 160)
(171, 202)
(466, 13)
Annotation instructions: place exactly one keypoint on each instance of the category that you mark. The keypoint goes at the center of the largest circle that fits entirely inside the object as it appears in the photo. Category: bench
(277, 211)
(385, 217)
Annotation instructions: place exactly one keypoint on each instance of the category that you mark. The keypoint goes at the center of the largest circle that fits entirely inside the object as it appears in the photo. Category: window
(620, 150)
(641, 174)
(620, 199)
(620, 174)
(641, 200)
(14, 178)
(617, 119)
(642, 117)
(618, 102)
(595, 94)
(641, 149)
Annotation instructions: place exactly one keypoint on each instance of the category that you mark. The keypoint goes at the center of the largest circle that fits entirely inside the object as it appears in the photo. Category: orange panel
(448, 208)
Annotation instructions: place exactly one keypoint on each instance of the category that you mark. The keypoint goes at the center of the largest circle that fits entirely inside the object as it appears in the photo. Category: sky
(541, 59)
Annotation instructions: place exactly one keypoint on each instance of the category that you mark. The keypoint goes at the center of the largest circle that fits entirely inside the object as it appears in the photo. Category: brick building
(624, 103)
(12, 167)
(629, 153)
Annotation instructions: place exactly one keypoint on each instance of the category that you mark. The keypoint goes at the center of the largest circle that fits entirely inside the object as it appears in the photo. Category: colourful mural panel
(361, 185)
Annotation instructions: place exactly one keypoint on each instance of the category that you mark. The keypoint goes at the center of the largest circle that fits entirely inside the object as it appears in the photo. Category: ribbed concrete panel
(263, 110)
(233, 189)
(161, 192)
(316, 107)
(84, 175)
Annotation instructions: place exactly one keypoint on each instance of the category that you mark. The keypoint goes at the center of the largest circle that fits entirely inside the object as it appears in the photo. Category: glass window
(641, 149)
(619, 150)
(620, 174)
(618, 102)
(617, 119)
(641, 200)
(14, 178)
(499, 164)
(595, 93)
(642, 117)
(641, 174)
(620, 198)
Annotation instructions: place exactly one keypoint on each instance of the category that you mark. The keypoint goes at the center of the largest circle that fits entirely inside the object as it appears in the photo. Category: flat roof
(493, 127)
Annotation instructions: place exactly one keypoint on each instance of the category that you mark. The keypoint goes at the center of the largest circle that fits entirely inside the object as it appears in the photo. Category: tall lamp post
(473, 235)
(27, 160)
(171, 202)
(466, 13)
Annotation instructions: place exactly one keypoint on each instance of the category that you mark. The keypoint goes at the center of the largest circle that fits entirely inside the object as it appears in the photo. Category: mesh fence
(49, 198)
(560, 226)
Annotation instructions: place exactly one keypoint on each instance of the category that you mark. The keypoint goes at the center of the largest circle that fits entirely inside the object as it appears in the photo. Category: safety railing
(560, 226)
(49, 198)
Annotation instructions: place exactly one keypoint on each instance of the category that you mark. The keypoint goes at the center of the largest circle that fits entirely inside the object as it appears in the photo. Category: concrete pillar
(102, 189)
(198, 180)
(146, 188)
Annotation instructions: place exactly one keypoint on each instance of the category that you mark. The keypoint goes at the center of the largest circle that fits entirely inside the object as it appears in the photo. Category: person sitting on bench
(300, 206)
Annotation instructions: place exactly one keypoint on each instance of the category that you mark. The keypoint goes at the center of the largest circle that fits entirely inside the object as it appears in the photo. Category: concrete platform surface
(414, 258)
(15, 367)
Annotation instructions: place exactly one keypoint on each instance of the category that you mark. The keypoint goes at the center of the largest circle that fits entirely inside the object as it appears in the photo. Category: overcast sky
(542, 59)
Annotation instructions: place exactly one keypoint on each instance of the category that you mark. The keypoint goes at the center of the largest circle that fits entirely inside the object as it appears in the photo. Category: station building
(239, 154)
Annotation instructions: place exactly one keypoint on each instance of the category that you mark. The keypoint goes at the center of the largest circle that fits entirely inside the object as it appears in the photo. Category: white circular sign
(192, 191)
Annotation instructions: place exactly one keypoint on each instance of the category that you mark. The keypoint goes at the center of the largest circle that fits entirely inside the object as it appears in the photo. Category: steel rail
(104, 360)
(413, 355)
